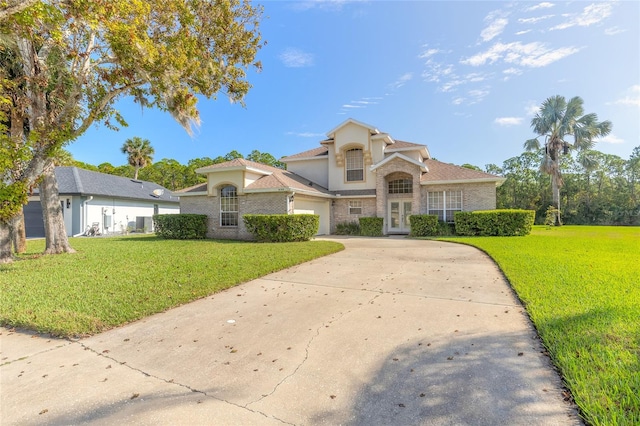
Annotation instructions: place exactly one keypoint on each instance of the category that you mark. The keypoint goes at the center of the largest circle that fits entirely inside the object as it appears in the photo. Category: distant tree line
(169, 172)
(598, 188)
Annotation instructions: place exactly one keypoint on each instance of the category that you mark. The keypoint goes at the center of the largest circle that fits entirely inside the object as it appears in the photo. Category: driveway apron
(389, 331)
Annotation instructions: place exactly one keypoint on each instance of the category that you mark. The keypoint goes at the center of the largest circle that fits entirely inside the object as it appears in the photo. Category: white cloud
(429, 52)
(534, 20)
(532, 55)
(614, 30)
(591, 14)
(630, 98)
(402, 80)
(512, 71)
(508, 121)
(296, 58)
(523, 32)
(495, 28)
(350, 106)
(477, 95)
(531, 109)
(611, 138)
(437, 71)
(457, 101)
(543, 5)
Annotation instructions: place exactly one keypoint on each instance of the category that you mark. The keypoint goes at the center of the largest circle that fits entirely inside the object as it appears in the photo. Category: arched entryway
(400, 194)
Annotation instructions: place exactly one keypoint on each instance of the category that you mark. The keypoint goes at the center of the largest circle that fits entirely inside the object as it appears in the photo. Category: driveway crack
(181, 385)
(308, 346)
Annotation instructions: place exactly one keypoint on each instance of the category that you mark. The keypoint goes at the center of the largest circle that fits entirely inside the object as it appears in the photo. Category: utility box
(144, 224)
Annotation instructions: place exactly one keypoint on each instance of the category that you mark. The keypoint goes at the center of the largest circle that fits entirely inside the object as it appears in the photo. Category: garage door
(319, 207)
(33, 223)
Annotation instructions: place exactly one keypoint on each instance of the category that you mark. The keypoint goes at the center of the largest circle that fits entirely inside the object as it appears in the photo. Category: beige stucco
(321, 207)
(232, 177)
(315, 170)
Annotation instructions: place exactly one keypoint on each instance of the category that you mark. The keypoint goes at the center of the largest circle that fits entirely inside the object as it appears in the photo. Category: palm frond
(532, 145)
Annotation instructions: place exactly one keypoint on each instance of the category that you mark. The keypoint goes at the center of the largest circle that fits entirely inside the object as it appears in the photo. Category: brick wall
(262, 203)
(340, 211)
(475, 196)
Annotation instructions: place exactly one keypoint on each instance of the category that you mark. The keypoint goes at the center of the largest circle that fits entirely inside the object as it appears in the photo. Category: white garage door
(319, 207)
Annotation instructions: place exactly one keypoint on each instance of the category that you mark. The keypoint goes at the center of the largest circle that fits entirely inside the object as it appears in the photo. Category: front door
(399, 212)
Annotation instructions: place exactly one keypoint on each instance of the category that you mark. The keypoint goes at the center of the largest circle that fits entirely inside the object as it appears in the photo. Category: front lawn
(581, 287)
(113, 281)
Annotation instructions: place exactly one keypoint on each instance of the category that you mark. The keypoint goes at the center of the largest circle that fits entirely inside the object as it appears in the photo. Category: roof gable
(402, 157)
(440, 172)
(369, 127)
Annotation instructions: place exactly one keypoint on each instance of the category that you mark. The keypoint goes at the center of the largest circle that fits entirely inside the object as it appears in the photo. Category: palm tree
(555, 121)
(139, 152)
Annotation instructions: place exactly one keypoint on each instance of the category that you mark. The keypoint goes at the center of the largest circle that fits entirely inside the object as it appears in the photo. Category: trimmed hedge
(280, 228)
(494, 222)
(371, 226)
(181, 226)
(348, 228)
(424, 225)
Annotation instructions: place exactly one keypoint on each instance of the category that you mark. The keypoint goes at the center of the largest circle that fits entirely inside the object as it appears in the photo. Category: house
(114, 203)
(357, 171)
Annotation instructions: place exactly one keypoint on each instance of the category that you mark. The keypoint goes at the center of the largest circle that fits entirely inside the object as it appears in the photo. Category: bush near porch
(502, 223)
(278, 228)
(181, 226)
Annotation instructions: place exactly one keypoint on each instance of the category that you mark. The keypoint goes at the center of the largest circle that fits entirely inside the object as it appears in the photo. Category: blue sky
(463, 78)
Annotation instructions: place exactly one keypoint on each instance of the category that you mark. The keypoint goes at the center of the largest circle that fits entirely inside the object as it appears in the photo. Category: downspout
(84, 216)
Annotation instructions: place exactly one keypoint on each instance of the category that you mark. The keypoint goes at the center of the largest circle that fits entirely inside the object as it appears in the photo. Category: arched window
(401, 186)
(228, 206)
(354, 165)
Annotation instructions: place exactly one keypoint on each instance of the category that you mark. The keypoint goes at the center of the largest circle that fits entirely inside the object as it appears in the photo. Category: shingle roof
(274, 179)
(76, 181)
(402, 145)
(444, 172)
(321, 151)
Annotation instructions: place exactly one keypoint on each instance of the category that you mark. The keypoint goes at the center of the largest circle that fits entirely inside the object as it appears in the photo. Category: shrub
(371, 226)
(423, 225)
(180, 226)
(494, 222)
(279, 228)
(348, 228)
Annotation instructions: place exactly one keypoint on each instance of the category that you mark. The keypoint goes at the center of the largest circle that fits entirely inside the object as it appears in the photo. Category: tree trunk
(555, 189)
(6, 256)
(18, 232)
(55, 232)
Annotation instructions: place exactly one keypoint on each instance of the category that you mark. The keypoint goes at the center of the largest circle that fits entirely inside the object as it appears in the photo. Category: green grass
(113, 281)
(581, 287)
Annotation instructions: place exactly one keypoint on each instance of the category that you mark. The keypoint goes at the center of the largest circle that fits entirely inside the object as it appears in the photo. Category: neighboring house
(357, 171)
(115, 203)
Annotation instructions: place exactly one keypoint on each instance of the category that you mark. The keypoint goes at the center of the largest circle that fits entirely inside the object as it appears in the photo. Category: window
(444, 204)
(354, 165)
(228, 206)
(355, 207)
(401, 186)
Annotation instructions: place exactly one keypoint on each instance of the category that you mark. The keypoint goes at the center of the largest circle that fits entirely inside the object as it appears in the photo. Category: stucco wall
(314, 170)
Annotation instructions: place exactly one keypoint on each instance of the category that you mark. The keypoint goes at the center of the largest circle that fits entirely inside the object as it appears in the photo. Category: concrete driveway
(390, 331)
